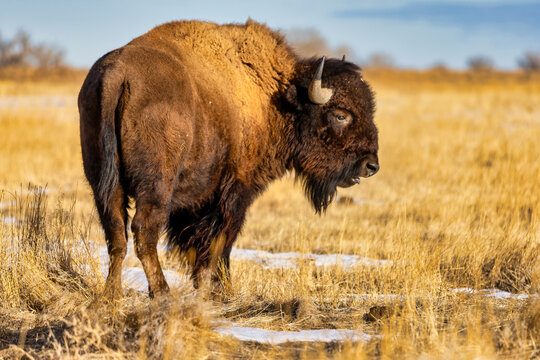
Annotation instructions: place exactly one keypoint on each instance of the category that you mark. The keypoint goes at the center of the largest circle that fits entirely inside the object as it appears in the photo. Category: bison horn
(318, 94)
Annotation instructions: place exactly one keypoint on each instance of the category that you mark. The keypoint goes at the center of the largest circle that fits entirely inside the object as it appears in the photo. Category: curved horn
(318, 94)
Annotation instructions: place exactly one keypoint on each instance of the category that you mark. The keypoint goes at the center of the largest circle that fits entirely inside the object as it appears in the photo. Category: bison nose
(372, 168)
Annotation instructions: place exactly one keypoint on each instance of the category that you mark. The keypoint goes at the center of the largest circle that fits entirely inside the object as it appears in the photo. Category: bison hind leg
(113, 216)
(150, 217)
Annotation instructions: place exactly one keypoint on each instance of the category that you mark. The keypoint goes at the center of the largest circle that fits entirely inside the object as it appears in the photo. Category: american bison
(193, 120)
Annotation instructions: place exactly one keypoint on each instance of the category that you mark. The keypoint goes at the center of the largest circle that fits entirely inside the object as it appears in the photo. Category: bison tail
(111, 101)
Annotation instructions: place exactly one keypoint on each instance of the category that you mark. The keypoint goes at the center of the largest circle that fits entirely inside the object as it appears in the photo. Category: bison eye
(339, 119)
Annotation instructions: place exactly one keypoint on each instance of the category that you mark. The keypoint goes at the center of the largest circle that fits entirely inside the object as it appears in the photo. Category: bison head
(334, 130)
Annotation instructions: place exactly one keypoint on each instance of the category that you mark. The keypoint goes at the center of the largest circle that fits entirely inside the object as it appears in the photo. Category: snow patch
(273, 337)
(10, 220)
(290, 259)
(36, 101)
(6, 204)
(388, 298)
(495, 293)
(135, 278)
(284, 260)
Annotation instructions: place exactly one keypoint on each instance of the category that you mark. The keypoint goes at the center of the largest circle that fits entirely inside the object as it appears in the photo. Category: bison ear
(292, 97)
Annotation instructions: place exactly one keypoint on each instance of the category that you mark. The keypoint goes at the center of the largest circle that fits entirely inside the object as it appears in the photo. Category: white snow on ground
(379, 298)
(104, 255)
(135, 278)
(6, 204)
(273, 337)
(10, 220)
(33, 101)
(290, 259)
(495, 293)
(282, 260)
(386, 298)
(389, 298)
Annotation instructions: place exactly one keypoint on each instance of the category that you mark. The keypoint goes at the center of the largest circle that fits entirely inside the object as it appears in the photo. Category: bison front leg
(222, 275)
(213, 262)
(223, 270)
(147, 224)
(207, 262)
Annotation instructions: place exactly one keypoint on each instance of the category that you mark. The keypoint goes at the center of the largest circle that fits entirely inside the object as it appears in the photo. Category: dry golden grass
(456, 204)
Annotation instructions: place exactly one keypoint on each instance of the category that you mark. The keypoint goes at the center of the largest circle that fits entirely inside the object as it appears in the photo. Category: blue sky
(416, 33)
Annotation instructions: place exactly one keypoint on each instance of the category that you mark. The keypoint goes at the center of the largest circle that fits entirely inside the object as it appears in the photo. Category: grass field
(454, 210)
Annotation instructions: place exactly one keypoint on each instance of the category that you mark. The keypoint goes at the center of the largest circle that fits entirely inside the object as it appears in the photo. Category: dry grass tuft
(45, 258)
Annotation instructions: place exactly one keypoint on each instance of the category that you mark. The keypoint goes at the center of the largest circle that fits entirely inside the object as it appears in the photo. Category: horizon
(416, 34)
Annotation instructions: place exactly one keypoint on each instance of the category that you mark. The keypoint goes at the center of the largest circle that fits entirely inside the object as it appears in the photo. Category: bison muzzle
(193, 120)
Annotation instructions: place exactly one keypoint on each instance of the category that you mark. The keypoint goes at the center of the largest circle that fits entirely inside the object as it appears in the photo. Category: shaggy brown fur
(193, 120)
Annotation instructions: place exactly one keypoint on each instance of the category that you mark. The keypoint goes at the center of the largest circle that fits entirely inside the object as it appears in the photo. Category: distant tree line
(21, 51)
(309, 42)
(530, 62)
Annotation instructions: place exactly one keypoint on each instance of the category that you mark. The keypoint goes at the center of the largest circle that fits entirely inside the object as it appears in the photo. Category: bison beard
(321, 191)
(193, 120)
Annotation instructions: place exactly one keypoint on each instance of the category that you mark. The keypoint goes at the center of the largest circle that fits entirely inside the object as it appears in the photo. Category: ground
(454, 212)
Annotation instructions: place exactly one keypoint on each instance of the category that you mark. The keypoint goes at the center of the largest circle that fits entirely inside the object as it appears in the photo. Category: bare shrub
(480, 63)
(380, 60)
(309, 42)
(20, 51)
(530, 62)
(439, 66)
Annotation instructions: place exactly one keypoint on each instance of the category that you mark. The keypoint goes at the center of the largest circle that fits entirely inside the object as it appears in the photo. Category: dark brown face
(338, 141)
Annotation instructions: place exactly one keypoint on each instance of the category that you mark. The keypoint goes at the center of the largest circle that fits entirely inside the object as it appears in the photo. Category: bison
(193, 120)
